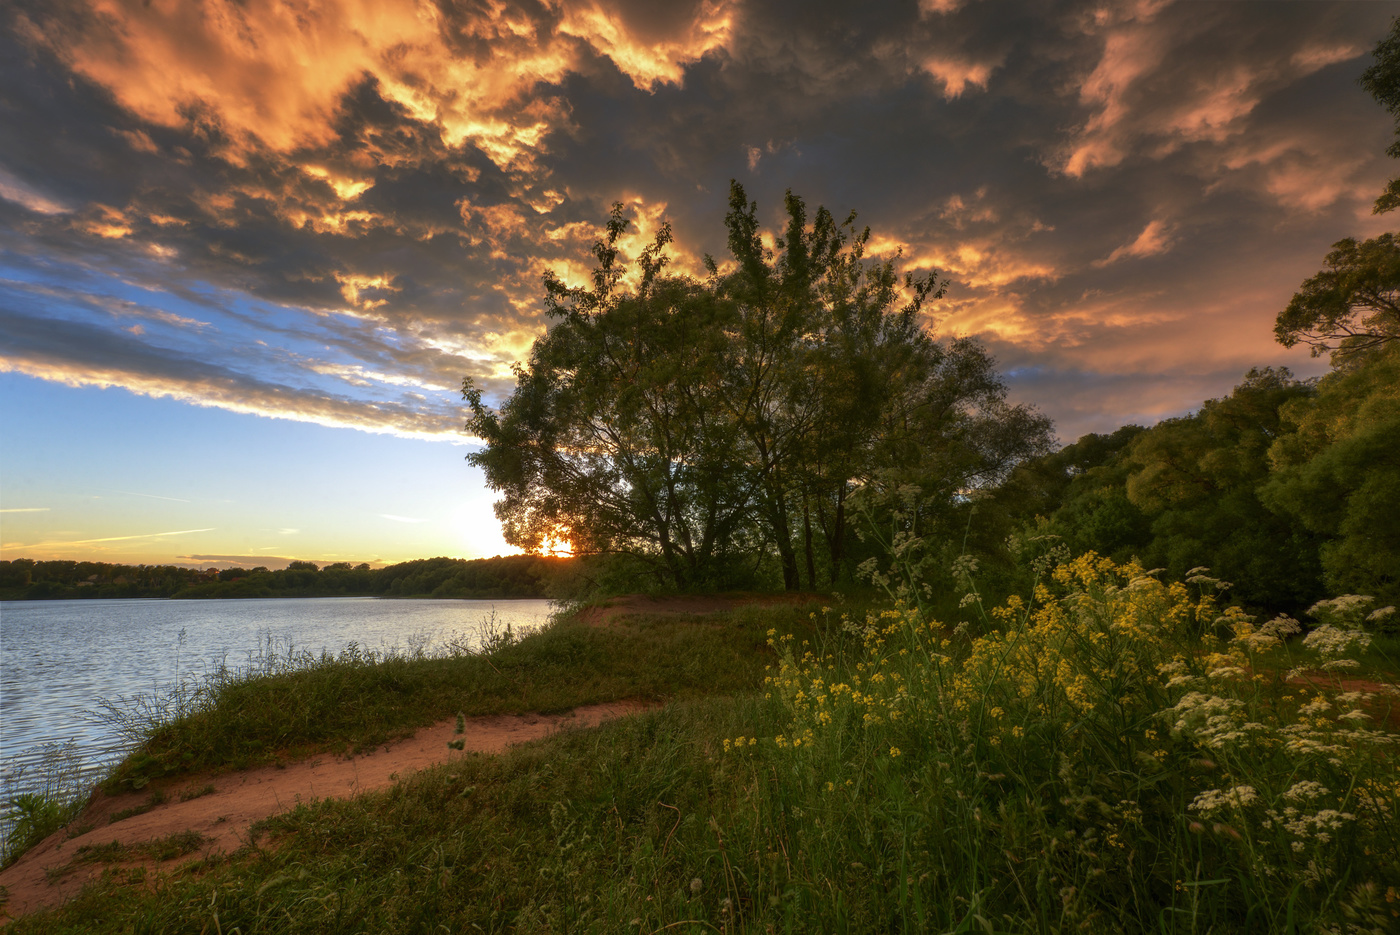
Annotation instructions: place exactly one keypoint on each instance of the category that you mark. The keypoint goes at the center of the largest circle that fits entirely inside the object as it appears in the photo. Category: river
(60, 660)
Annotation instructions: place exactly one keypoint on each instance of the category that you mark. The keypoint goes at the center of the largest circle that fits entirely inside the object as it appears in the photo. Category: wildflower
(1305, 789)
(1213, 800)
(1328, 640)
(894, 751)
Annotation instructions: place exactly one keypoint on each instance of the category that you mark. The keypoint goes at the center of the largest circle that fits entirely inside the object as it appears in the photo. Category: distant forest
(483, 578)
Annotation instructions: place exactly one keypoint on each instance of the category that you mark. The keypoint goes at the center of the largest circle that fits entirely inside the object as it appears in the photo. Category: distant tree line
(509, 576)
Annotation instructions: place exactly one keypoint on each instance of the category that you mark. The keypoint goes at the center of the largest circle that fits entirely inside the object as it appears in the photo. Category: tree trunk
(807, 544)
(782, 536)
(838, 534)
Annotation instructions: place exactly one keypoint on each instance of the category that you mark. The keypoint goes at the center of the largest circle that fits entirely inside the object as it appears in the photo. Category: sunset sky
(249, 248)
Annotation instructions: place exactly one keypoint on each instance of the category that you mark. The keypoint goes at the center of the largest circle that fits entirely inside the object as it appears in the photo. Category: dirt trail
(239, 799)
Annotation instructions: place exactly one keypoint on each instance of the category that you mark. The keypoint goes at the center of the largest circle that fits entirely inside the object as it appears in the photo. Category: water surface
(60, 659)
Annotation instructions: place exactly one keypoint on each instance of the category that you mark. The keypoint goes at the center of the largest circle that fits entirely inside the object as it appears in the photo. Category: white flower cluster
(1207, 579)
(1318, 826)
(964, 566)
(1305, 789)
(1329, 641)
(1346, 611)
(1227, 672)
(1269, 635)
(1383, 619)
(1318, 705)
(1177, 674)
(1210, 719)
(1213, 800)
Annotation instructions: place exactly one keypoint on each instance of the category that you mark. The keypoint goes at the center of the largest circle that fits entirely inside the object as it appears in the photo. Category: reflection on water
(60, 659)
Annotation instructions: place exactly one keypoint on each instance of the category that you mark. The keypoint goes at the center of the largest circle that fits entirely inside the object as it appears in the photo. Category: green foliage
(1187, 492)
(1351, 308)
(692, 426)
(54, 796)
(1382, 80)
(32, 818)
(1337, 474)
(1113, 754)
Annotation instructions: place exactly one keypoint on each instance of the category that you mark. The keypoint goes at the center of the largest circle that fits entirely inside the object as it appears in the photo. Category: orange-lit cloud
(660, 54)
(349, 206)
(1154, 239)
(956, 75)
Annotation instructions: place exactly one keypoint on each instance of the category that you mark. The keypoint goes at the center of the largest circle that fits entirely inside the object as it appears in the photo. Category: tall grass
(38, 804)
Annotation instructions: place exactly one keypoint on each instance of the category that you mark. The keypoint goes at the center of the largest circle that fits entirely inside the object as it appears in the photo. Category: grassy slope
(649, 825)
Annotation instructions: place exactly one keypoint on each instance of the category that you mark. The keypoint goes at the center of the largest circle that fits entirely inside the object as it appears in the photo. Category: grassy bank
(296, 704)
(1115, 754)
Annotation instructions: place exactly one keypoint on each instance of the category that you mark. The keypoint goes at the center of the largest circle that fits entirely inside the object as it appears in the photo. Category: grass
(1054, 769)
(54, 798)
(354, 701)
(157, 797)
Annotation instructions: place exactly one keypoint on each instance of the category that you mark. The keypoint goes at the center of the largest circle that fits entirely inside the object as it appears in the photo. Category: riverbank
(1120, 754)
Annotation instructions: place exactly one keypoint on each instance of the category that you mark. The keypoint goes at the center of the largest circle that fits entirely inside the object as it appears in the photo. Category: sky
(250, 248)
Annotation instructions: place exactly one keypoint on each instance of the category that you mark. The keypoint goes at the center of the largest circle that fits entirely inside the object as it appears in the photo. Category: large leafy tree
(1337, 472)
(691, 423)
(1352, 307)
(827, 343)
(1198, 479)
(616, 438)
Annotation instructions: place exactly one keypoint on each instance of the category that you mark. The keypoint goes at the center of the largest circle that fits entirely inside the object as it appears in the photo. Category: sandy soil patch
(239, 799)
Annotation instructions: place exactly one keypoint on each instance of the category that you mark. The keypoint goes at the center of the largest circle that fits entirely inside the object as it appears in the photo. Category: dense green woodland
(500, 577)
(1290, 489)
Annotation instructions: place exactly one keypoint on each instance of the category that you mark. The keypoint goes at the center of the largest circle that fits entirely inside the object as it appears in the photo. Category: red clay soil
(613, 609)
(239, 799)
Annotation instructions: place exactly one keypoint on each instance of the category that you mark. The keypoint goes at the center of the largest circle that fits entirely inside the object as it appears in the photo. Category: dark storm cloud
(1122, 196)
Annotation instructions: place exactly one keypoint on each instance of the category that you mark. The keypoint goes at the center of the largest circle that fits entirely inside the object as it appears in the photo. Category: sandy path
(239, 799)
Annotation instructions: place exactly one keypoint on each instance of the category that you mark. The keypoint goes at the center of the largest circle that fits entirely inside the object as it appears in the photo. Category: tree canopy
(698, 425)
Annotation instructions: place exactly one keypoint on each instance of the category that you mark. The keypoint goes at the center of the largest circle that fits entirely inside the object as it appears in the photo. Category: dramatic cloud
(333, 212)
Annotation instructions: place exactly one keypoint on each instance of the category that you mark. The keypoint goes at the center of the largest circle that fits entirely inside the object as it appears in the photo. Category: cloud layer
(333, 212)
